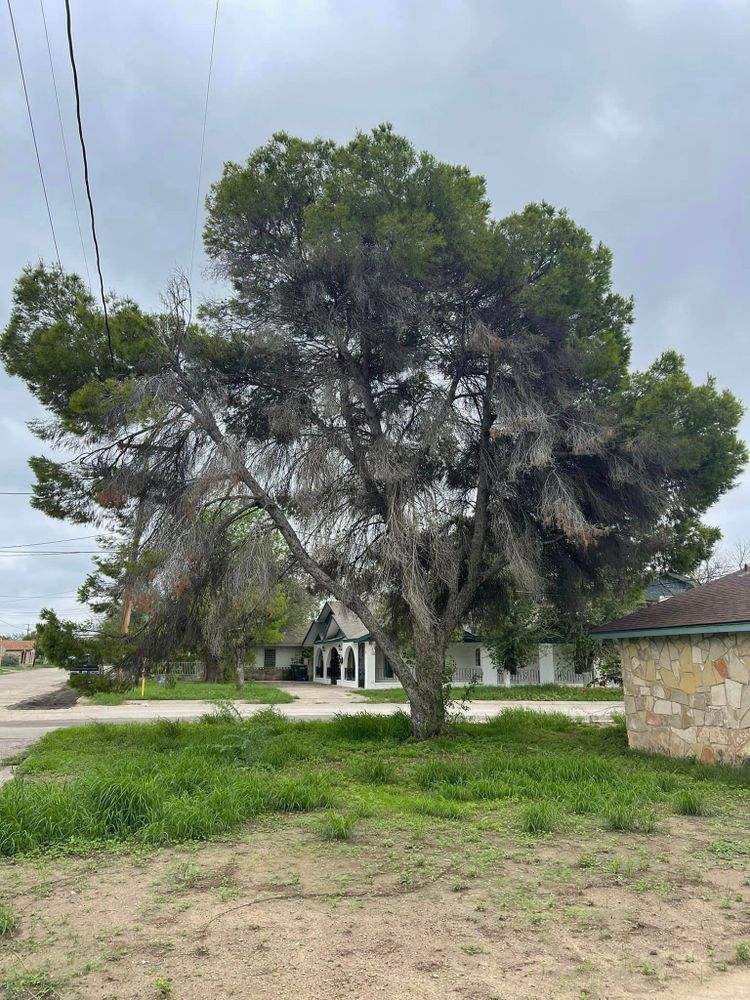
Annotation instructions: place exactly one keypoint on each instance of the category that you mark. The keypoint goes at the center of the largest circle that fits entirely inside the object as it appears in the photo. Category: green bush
(113, 682)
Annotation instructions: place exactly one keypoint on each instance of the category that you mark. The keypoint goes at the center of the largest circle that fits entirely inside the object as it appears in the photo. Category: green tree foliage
(420, 400)
(58, 640)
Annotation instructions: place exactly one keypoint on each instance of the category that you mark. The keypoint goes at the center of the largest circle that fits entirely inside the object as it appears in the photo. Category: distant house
(20, 651)
(667, 585)
(686, 671)
(344, 652)
(273, 660)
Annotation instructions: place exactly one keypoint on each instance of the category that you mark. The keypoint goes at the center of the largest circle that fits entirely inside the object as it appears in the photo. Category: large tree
(427, 404)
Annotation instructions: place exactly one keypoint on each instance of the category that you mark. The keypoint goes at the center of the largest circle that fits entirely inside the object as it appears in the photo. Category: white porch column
(546, 663)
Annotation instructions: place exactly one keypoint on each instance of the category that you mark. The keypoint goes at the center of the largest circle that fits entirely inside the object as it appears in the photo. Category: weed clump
(539, 817)
(8, 920)
(336, 826)
(630, 817)
(690, 802)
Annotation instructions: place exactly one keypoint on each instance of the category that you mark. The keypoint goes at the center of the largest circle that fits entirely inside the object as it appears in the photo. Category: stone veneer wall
(689, 696)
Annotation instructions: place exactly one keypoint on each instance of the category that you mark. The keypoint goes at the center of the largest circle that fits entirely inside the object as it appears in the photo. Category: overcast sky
(632, 114)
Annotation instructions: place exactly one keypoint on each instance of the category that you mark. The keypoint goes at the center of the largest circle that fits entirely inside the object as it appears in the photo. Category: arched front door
(334, 666)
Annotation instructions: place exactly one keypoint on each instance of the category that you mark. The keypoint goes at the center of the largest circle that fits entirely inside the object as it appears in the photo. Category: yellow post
(143, 684)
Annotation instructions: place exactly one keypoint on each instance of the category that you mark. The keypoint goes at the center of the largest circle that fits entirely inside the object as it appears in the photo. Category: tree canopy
(425, 403)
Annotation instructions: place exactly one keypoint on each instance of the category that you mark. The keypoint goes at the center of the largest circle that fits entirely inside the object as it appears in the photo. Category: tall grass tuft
(630, 817)
(539, 817)
(690, 802)
(8, 920)
(336, 826)
(366, 726)
(374, 771)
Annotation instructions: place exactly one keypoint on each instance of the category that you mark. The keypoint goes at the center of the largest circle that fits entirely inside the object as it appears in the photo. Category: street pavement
(20, 727)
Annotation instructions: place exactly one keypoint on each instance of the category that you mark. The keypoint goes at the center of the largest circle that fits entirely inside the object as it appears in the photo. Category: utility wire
(203, 145)
(64, 143)
(69, 29)
(37, 597)
(33, 132)
(54, 541)
(16, 493)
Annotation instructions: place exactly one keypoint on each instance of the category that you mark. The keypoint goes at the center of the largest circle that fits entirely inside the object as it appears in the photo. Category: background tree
(421, 400)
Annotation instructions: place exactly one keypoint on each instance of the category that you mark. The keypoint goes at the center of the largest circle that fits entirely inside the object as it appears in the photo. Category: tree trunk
(214, 668)
(240, 667)
(425, 689)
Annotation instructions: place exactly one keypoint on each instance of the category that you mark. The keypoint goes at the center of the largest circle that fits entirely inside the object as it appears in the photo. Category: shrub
(743, 952)
(336, 826)
(539, 817)
(114, 682)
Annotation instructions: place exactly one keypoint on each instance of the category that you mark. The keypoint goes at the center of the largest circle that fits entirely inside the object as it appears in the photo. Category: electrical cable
(54, 541)
(33, 133)
(69, 29)
(203, 145)
(64, 143)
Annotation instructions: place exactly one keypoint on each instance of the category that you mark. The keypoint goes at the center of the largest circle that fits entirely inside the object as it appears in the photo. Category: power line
(36, 597)
(203, 143)
(69, 29)
(54, 552)
(54, 541)
(33, 132)
(16, 493)
(64, 143)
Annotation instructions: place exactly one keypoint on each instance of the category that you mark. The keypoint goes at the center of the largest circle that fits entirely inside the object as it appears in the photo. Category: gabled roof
(17, 645)
(720, 606)
(336, 621)
(294, 636)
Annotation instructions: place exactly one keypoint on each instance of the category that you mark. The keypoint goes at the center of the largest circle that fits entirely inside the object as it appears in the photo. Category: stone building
(686, 671)
(18, 651)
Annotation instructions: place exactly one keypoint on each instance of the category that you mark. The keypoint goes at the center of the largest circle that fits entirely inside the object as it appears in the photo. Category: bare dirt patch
(443, 910)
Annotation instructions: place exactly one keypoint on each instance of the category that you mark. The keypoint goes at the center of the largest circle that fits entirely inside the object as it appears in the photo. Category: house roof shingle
(17, 645)
(723, 602)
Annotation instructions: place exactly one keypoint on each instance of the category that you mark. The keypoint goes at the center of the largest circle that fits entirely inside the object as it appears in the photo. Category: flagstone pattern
(689, 695)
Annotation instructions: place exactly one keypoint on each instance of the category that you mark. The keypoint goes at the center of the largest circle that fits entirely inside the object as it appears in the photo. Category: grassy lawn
(263, 694)
(540, 692)
(533, 851)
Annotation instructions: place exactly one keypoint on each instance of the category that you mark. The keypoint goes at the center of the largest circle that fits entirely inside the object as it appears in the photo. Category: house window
(269, 659)
(349, 671)
(477, 657)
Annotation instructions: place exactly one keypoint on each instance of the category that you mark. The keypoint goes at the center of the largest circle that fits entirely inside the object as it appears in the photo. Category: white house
(345, 653)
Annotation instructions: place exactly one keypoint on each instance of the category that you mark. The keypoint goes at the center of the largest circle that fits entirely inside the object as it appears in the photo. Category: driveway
(20, 685)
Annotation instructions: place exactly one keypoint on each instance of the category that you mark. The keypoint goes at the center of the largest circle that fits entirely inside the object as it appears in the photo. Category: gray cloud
(630, 113)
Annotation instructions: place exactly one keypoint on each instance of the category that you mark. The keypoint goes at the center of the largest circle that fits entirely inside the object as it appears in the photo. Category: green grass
(261, 694)
(171, 782)
(540, 692)
(336, 826)
(34, 985)
(8, 920)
